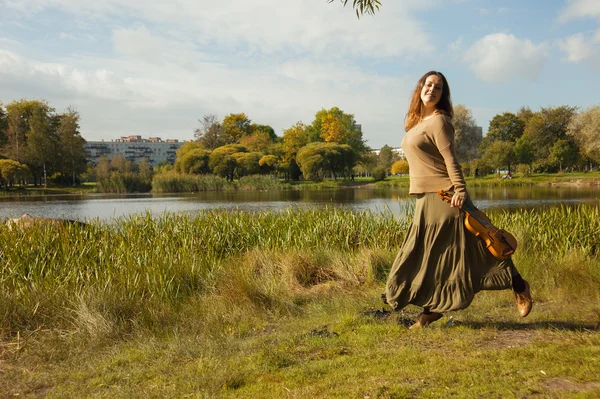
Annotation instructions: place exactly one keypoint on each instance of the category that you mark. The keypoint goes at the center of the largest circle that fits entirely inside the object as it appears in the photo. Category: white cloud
(580, 49)
(500, 57)
(309, 26)
(580, 9)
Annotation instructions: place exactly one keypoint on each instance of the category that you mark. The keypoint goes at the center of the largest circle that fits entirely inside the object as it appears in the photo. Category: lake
(107, 207)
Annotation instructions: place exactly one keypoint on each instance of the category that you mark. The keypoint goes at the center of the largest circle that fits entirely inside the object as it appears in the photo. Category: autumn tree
(194, 161)
(584, 128)
(400, 167)
(318, 159)
(234, 127)
(222, 162)
(209, 134)
(336, 126)
(294, 138)
(11, 172)
(467, 135)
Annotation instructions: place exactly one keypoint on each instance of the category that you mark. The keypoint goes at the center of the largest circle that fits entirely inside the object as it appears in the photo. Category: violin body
(499, 242)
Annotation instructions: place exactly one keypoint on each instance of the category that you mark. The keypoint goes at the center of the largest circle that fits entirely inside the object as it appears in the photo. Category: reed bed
(232, 266)
(173, 182)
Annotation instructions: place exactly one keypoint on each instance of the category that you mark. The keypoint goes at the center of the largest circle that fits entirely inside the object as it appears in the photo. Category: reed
(140, 271)
(173, 182)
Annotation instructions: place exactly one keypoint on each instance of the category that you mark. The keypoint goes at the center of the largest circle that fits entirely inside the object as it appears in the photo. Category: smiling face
(431, 93)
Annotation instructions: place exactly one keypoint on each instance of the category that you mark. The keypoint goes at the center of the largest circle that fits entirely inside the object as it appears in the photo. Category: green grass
(270, 305)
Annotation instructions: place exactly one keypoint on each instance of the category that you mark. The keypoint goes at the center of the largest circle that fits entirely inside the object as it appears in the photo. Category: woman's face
(431, 93)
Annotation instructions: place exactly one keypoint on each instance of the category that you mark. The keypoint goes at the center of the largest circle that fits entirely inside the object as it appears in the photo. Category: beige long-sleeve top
(429, 150)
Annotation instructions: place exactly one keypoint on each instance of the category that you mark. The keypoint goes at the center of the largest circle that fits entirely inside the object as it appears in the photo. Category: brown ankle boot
(524, 301)
(423, 320)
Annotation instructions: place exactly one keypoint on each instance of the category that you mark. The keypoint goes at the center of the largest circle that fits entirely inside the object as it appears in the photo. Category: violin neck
(474, 212)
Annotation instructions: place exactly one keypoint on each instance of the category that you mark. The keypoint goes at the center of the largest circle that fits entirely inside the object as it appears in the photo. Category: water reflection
(108, 207)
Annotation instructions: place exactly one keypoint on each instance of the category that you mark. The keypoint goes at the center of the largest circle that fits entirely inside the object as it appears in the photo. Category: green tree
(544, 128)
(257, 141)
(523, 151)
(41, 145)
(563, 152)
(247, 163)
(265, 129)
(269, 163)
(386, 157)
(499, 154)
(72, 156)
(584, 128)
(467, 135)
(194, 161)
(222, 162)
(362, 6)
(318, 159)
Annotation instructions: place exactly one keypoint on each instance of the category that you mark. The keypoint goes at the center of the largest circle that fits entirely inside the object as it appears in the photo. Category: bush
(379, 173)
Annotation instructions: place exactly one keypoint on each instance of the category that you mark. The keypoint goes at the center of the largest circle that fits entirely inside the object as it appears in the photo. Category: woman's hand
(457, 201)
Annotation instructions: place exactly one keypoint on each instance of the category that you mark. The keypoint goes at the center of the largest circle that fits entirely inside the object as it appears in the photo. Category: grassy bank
(234, 304)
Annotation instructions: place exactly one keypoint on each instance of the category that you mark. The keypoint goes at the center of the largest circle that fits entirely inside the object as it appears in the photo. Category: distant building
(134, 148)
(397, 150)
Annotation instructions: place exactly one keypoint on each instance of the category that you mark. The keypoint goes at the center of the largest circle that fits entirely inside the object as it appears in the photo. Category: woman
(441, 265)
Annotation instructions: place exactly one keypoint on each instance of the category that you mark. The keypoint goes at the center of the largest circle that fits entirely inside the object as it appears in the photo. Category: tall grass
(232, 266)
(173, 182)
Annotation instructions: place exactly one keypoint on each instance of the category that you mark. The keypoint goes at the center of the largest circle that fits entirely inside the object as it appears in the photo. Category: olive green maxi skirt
(442, 265)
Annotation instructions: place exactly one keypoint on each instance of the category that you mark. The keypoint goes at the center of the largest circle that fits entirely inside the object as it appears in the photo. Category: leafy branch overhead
(362, 6)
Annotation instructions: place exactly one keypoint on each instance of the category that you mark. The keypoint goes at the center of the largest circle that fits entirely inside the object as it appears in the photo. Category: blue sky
(155, 68)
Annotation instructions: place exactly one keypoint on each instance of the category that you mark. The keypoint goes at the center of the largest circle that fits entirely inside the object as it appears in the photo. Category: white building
(134, 148)
(398, 150)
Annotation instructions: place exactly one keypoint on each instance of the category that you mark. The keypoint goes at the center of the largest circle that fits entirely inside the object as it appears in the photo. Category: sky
(154, 68)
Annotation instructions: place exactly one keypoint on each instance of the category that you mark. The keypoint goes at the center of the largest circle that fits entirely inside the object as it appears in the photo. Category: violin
(499, 242)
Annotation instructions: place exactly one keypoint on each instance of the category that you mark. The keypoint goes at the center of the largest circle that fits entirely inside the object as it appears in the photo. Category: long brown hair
(415, 110)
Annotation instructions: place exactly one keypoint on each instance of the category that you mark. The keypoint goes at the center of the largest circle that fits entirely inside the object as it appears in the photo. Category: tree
(294, 138)
(400, 167)
(3, 125)
(103, 168)
(523, 151)
(386, 157)
(41, 145)
(72, 157)
(563, 152)
(120, 164)
(336, 126)
(467, 135)
(499, 154)
(194, 161)
(362, 6)
(269, 163)
(210, 132)
(317, 159)
(12, 171)
(258, 141)
(247, 163)
(584, 128)
(544, 128)
(234, 127)
(145, 171)
(266, 129)
(221, 160)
